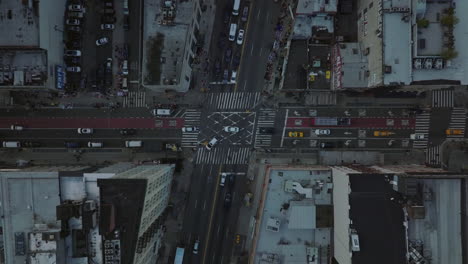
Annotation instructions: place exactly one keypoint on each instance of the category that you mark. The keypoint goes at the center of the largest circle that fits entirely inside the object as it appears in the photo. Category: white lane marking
(196, 203)
(258, 14)
(261, 49)
(268, 16)
(245, 83)
(219, 228)
(284, 128)
(251, 50)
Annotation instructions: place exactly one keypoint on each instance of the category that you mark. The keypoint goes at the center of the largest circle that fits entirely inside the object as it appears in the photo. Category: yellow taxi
(454, 132)
(296, 134)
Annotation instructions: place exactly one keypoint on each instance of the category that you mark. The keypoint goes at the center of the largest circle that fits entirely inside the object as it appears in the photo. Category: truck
(179, 256)
(331, 121)
(383, 133)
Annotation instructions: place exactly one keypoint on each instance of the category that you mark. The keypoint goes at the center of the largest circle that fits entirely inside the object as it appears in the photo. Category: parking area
(94, 62)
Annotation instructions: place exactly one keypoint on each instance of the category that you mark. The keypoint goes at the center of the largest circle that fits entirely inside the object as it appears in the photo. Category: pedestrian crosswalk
(240, 100)
(422, 127)
(134, 99)
(442, 98)
(266, 119)
(192, 119)
(222, 155)
(457, 121)
(432, 156)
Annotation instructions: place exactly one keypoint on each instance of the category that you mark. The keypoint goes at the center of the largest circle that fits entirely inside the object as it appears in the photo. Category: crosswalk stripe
(442, 98)
(266, 118)
(432, 156)
(192, 118)
(234, 100)
(219, 155)
(134, 99)
(457, 121)
(422, 127)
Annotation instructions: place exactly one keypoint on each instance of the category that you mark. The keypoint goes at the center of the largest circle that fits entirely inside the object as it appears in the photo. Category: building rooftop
(353, 63)
(19, 24)
(309, 7)
(288, 218)
(296, 75)
(23, 67)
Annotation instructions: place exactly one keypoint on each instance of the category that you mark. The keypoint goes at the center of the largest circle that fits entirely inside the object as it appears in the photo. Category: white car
(107, 26)
(85, 130)
(231, 129)
(17, 127)
(319, 132)
(223, 179)
(212, 142)
(75, 8)
(233, 76)
(73, 22)
(190, 129)
(240, 37)
(95, 144)
(74, 69)
(102, 41)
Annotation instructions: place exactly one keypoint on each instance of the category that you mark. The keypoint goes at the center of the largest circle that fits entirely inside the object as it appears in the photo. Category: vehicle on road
(76, 29)
(78, 8)
(227, 200)
(245, 13)
(217, 67)
(327, 145)
(126, 24)
(74, 69)
(11, 144)
(231, 129)
(31, 144)
(319, 132)
(228, 55)
(108, 11)
(125, 67)
(235, 8)
(195, 246)
(331, 121)
(236, 61)
(211, 144)
(72, 22)
(179, 256)
(267, 130)
(125, 7)
(75, 14)
(417, 136)
(232, 31)
(222, 181)
(128, 132)
(108, 19)
(233, 76)
(73, 53)
(227, 16)
(240, 37)
(296, 134)
(85, 130)
(232, 179)
(16, 127)
(190, 129)
(95, 144)
(107, 26)
(172, 146)
(383, 133)
(72, 144)
(225, 75)
(454, 132)
(161, 112)
(102, 41)
(133, 143)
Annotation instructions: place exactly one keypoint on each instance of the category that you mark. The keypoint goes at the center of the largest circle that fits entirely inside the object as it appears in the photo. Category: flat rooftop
(308, 7)
(397, 49)
(319, 65)
(18, 24)
(23, 67)
(296, 75)
(284, 213)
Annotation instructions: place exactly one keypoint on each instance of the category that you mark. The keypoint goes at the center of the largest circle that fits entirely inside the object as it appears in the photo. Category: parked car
(74, 69)
(222, 180)
(236, 61)
(72, 22)
(73, 60)
(102, 41)
(195, 247)
(126, 24)
(296, 134)
(245, 13)
(108, 19)
(95, 144)
(233, 76)
(73, 53)
(85, 130)
(75, 14)
(78, 8)
(231, 129)
(190, 129)
(107, 26)
(74, 44)
(74, 29)
(227, 200)
(108, 4)
(240, 37)
(227, 55)
(128, 132)
(227, 15)
(319, 132)
(108, 11)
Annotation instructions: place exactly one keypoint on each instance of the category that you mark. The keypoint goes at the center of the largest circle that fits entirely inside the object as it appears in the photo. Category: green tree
(449, 54)
(449, 20)
(422, 23)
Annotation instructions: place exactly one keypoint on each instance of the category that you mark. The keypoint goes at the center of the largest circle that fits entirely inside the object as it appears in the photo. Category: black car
(217, 67)
(128, 132)
(267, 130)
(227, 200)
(31, 144)
(344, 121)
(126, 24)
(227, 16)
(232, 179)
(73, 45)
(73, 60)
(236, 60)
(107, 19)
(327, 145)
(227, 55)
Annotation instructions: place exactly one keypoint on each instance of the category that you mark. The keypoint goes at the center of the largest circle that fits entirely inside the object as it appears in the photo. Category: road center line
(258, 14)
(251, 50)
(284, 128)
(196, 203)
(204, 205)
(245, 83)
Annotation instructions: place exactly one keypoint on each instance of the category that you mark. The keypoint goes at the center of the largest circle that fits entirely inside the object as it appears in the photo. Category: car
(108, 4)
(126, 24)
(195, 247)
(222, 181)
(109, 65)
(73, 60)
(128, 132)
(74, 44)
(74, 69)
(108, 11)
(344, 121)
(108, 19)
(16, 127)
(327, 145)
(85, 130)
(217, 67)
(102, 41)
(267, 130)
(125, 67)
(211, 144)
(161, 112)
(454, 132)
(233, 76)
(95, 144)
(245, 13)
(72, 22)
(73, 53)
(296, 134)
(74, 29)
(240, 37)
(227, 55)
(75, 8)
(227, 200)
(236, 61)
(225, 75)
(232, 179)
(107, 26)
(72, 145)
(231, 129)
(227, 16)
(31, 144)
(75, 14)
(190, 129)
(319, 132)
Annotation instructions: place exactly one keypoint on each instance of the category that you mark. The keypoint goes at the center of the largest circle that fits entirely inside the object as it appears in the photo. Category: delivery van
(235, 8)
(232, 32)
(11, 144)
(133, 144)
